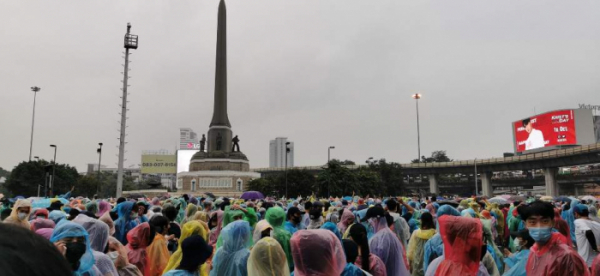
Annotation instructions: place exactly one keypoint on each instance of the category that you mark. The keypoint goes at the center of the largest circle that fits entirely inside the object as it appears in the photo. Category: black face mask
(74, 252)
(297, 219)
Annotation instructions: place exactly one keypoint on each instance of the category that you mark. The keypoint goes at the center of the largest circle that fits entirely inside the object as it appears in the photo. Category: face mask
(22, 215)
(41, 217)
(74, 252)
(297, 219)
(134, 216)
(517, 245)
(540, 234)
(113, 255)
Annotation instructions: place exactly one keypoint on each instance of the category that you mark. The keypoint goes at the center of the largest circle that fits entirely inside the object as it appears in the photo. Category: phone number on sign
(159, 164)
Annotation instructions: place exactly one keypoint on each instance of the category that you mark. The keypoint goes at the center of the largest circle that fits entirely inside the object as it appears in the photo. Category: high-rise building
(188, 139)
(277, 153)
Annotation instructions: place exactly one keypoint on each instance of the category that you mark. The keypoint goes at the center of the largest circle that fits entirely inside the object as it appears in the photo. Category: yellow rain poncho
(267, 259)
(157, 256)
(201, 215)
(189, 229)
(190, 211)
(416, 249)
(14, 215)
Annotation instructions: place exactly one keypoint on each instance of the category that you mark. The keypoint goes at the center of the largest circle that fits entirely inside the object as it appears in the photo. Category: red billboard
(554, 128)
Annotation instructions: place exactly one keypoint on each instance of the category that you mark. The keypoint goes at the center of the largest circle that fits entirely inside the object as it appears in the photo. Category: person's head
(169, 212)
(539, 219)
(315, 213)
(142, 208)
(581, 211)
(160, 224)
(523, 240)
(330, 259)
(358, 234)
(294, 215)
(75, 240)
(275, 216)
(268, 258)
(463, 242)
(40, 213)
(351, 250)
(307, 206)
(427, 221)
(121, 199)
(236, 236)
(117, 253)
(26, 253)
(21, 209)
(195, 252)
(527, 125)
(391, 205)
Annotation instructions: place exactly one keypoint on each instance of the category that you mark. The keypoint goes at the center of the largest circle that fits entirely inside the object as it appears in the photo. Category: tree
(390, 175)
(88, 184)
(436, 156)
(300, 182)
(25, 178)
(335, 180)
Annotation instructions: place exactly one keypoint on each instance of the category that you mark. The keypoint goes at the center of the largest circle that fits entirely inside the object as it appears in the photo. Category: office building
(188, 139)
(277, 153)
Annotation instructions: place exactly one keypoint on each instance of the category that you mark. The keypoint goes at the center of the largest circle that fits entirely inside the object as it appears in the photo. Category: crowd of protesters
(191, 235)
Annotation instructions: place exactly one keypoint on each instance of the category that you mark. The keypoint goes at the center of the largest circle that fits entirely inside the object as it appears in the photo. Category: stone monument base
(228, 183)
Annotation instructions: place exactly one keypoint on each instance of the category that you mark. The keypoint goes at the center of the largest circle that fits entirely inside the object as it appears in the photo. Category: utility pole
(131, 42)
(99, 162)
(476, 188)
(35, 89)
(287, 150)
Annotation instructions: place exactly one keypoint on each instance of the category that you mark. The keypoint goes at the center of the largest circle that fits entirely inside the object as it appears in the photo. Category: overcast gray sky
(322, 73)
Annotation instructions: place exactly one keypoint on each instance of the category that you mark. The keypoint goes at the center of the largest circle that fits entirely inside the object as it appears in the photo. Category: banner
(153, 164)
(545, 130)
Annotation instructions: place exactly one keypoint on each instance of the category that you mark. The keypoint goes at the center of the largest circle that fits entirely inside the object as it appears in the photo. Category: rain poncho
(201, 215)
(346, 215)
(596, 266)
(232, 258)
(491, 245)
(331, 227)
(98, 236)
(463, 239)
(500, 223)
(14, 214)
(260, 227)
(124, 223)
(569, 217)
(401, 228)
(45, 232)
(92, 207)
(124, 268)
(388, 248)
(157, 256)
(434, 247)
(67, 229)
(139, 238)
(594, 214)
(416, 247)
(352, 270)
(267, 259)
(108, 220)
(40, 213)
(57, 215)
(276, 217)
(103, 207)
(517, 263)
(513, 226)
(555, 259)
(215, 232)
(41, 223)
(317, 253)
(182, 205)
(189, 229)
(190, 211)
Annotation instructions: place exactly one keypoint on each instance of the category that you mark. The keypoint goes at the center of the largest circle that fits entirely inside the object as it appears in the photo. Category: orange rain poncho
(138, 239)
(157, 256)
(463, 239)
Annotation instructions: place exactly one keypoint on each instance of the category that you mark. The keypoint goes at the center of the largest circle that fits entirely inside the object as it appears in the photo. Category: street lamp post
(328, 160)
(99, 162)
(417, 96)
(287, 150)
(53, 169)
(37, 158)
(476, 188)
(35, 89)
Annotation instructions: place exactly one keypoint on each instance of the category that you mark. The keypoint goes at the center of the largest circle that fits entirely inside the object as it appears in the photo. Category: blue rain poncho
(352, 270)
(56, 216)
(333, 228)
(569, 217)
(517, 263)
(124, 223)
(232, 258)
(180, 272)
(182, 205)
(66, 229)
(359, 216)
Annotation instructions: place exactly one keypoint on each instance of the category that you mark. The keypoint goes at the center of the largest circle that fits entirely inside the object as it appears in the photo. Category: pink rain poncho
(596, 266)
(138, 240)
(386, 245)
(40, 223)
(103, 207)
(347, 215)
(463, 239)
(555, 258)
(317, 252)
(215, 232)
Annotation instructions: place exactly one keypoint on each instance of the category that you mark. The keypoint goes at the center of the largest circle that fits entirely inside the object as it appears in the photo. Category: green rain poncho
(492, 248)
(276, 217)
(230, 215)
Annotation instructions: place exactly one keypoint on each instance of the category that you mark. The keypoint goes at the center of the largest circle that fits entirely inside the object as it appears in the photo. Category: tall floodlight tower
(131, 42)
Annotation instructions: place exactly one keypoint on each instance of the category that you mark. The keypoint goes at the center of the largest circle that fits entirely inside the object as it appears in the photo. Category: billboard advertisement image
(183, 159)
(555, 128)
(154, 164)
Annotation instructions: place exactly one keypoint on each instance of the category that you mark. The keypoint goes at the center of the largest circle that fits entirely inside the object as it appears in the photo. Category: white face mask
(517, 244)
(40, 217)
(113, 255)
(22, 215)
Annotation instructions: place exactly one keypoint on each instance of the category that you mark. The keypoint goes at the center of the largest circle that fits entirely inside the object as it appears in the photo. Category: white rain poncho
(231, 259)
(267, 259)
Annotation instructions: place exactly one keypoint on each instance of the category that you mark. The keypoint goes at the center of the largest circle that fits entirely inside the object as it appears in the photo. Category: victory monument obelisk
(221, 170)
